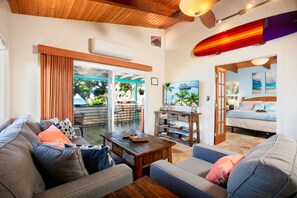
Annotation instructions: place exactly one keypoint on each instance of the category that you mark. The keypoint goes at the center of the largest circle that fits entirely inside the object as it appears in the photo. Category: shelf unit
(168, 124)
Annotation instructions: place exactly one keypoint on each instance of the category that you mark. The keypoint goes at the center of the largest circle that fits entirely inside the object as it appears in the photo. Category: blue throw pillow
(94, 157)
(259, 106)
(270, 107)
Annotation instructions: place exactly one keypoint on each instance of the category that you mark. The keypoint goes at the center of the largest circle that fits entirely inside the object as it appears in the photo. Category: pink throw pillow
(221, 170)
(53, 135)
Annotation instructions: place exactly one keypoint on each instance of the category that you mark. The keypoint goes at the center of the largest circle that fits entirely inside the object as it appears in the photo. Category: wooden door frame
(220, 139)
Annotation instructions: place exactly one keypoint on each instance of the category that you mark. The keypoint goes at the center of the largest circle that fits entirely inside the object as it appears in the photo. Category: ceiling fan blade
(208, 19)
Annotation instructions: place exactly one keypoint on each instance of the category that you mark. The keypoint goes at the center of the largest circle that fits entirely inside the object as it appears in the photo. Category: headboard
(263, 98)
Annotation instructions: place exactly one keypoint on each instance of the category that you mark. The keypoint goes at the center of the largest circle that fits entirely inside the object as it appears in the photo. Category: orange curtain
(56, 87)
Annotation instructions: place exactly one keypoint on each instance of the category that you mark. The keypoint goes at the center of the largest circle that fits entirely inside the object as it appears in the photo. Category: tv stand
(178, 125)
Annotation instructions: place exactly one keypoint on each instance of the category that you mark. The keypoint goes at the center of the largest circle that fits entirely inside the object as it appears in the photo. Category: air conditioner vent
(109, 49)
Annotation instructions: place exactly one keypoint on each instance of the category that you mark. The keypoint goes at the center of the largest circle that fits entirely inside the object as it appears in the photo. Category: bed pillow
(248, 105)
(96, 158)
(259, 106)
(220, 171)
(270, 107)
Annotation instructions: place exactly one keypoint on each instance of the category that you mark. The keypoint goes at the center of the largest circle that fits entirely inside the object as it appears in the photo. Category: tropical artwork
(257, 83)
(182, 93)
(270, 85)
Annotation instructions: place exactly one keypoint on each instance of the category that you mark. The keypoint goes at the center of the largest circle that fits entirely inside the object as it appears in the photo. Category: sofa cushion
(219, 173)
(62, 164)
(96, 158)
(30, 122)
(18, 176)
(268, 170)
(24, 130)
(195, 166)
(66, 127)
(79, 140)
(53, 135)
(45, 124)
(5, 124)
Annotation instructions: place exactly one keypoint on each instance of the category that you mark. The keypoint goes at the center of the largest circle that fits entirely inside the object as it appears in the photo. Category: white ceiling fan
(202, 8)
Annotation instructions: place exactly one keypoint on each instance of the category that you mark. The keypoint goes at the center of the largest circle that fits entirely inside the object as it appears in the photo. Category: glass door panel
(92, 101)
(129, 92)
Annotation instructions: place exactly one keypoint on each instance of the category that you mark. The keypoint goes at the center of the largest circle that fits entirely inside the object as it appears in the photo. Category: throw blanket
(252, 114)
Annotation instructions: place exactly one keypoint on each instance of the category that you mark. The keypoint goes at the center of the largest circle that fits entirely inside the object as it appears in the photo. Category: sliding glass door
(107, 99)
(129, 91)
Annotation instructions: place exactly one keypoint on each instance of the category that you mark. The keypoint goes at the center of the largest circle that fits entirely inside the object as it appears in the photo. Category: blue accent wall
(244, 77)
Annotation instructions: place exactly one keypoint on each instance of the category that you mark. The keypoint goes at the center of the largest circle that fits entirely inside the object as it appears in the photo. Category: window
(232, 94)
(3, 85)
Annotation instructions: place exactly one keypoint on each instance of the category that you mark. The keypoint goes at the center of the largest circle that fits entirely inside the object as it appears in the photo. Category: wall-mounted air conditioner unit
(2, 43)
(109, 49)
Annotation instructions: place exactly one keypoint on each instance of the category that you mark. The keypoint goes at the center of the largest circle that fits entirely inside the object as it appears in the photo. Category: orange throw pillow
(54, 136)
(221, 170)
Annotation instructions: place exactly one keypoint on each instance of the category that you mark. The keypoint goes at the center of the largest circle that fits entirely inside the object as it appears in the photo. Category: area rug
(181, 152)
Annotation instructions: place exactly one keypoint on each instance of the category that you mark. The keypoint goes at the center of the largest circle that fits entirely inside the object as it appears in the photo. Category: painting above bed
(257, 83)
(270, 82)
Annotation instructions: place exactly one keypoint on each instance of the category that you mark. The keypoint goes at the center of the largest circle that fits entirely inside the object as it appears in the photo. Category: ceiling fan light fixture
(195, 8)
(249, 6)
(260, 61)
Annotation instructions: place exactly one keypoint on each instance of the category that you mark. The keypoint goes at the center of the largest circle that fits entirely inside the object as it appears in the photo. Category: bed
(258, 114)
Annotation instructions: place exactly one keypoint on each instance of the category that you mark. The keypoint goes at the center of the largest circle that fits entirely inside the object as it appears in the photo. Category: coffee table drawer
(117, 150)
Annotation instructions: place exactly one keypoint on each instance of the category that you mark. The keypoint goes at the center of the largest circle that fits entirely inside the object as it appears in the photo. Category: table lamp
(231, 103)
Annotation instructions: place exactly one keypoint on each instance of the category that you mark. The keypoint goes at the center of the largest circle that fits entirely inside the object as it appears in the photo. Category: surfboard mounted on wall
(253, 33)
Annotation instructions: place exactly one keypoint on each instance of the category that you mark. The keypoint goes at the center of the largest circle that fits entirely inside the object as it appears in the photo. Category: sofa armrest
(95, 185)
(77, 131)
(183, 183)
(210, 153)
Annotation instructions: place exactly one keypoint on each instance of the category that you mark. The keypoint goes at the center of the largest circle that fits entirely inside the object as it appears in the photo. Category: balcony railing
(96, 116)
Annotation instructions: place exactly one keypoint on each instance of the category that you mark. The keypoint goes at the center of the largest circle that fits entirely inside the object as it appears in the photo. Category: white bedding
(257, 125)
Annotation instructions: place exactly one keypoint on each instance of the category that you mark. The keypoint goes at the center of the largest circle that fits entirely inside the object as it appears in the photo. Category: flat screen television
(182, 93)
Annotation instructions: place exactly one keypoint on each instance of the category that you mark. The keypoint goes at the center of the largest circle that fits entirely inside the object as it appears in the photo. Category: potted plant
(141, 91)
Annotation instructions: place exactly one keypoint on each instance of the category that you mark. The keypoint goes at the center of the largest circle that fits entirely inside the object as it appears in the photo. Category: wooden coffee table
(143, 187)
(138, 155)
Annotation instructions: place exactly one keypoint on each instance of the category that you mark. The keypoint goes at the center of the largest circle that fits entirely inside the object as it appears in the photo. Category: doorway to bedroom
(245, 111)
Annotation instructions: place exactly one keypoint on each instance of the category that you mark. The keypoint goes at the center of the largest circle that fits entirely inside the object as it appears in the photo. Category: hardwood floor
(241, 141)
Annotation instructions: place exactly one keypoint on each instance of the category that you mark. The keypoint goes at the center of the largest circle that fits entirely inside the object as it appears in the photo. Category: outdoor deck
(94, 120)
(92, 134)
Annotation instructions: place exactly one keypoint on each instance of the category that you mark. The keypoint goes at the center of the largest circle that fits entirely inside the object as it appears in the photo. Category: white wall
(27, 31)
(4, 56)
(181, 65)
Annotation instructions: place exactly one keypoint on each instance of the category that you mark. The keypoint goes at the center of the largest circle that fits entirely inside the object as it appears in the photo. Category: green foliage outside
(86, 87)
(125, 87)
(100, 100)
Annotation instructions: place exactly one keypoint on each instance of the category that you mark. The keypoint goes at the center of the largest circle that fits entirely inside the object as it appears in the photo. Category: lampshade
(260, 61)
(231, 101)
(195, 7)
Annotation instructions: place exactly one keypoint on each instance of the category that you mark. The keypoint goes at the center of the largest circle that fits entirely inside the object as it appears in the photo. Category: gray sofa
(268, 170)
(19, 176)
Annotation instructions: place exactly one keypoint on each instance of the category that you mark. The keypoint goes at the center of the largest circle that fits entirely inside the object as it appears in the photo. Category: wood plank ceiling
(146, 13)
